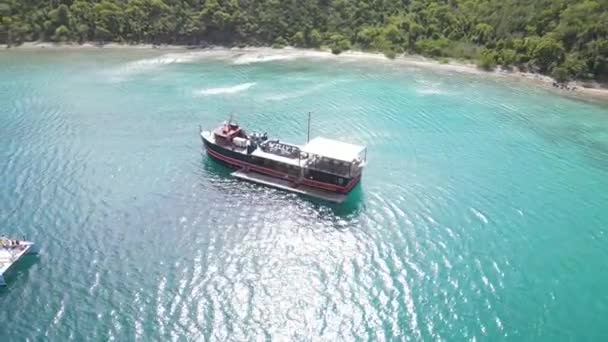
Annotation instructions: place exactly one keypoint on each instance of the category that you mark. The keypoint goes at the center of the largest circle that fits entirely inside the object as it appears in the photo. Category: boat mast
(308, 137)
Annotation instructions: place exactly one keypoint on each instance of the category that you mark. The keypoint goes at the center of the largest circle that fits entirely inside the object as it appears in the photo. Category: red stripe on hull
(309, 182)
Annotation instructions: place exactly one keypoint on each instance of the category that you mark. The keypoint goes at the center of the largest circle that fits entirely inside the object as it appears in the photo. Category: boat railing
(332, 166)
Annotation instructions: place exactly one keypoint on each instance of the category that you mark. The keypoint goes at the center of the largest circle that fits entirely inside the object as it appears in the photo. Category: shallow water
(482, 214)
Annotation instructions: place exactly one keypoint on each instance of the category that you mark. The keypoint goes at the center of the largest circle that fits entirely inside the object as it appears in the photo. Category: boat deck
(10, 254)
(258, 152)
(287, 185)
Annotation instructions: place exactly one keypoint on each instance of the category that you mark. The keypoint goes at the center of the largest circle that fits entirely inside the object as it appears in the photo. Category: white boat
(11, 250)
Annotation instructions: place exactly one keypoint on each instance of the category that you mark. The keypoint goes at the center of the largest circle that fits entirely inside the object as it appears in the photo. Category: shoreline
(583, 89)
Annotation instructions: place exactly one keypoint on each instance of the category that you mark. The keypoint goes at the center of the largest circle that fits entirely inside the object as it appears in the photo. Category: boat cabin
(226, 133)
(335, 157)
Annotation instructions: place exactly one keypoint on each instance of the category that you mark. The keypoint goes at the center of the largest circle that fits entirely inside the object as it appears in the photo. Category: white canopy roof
(333, 149)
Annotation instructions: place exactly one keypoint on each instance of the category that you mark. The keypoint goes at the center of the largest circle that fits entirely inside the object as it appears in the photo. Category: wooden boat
(322, 168)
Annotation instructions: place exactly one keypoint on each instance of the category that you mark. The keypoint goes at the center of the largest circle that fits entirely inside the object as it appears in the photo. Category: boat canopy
(334, 149)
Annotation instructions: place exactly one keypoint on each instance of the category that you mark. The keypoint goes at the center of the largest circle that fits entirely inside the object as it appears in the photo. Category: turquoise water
(483, 214)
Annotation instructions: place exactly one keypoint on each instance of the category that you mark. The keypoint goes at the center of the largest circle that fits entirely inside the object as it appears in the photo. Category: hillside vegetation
(563, 38)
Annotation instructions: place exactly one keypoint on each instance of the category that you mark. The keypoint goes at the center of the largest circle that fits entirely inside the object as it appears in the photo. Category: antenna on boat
(308, 138)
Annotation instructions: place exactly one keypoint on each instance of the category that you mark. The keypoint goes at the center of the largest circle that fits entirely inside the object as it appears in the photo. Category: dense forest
(567, 39)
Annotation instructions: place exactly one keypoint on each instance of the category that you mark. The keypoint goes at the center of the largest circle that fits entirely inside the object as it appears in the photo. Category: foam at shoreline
(252, 55)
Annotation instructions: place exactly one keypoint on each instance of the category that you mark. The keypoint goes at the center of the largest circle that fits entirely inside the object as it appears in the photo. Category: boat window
(331, 166)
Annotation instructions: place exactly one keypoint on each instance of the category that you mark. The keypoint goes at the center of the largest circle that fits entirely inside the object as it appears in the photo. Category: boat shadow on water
(224, 182)
(19, 273)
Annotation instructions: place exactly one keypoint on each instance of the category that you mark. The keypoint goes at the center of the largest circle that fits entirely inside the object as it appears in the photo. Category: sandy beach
(589, 90)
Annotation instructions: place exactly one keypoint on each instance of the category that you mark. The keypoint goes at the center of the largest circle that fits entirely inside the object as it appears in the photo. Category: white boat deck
(10, 253)
(287, 185)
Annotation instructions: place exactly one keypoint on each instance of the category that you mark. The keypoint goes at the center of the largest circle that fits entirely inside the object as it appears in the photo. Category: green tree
(62, 34)
(390, 54)
(298, 39)
(561, 74)
(6, 27)
(483, 33)
(433, 47)
(315, 39)
(507, 57)
(279, 43)
(61, 16)
(82, 20)
(574, 66)
(102, 34)
(488, 59)
(547, 54)
(339, 44)
(108, 20)
(416, 31)
(366, 36)
(82, 32)
(393, 35)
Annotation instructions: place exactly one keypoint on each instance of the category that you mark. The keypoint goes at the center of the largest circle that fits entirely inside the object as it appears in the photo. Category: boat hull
(240, 160)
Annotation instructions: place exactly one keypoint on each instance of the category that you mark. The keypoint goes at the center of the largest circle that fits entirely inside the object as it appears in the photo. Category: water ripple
(480, 214)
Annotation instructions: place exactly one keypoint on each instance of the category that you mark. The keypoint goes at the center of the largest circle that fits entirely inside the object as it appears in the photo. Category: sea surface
(482, 215)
